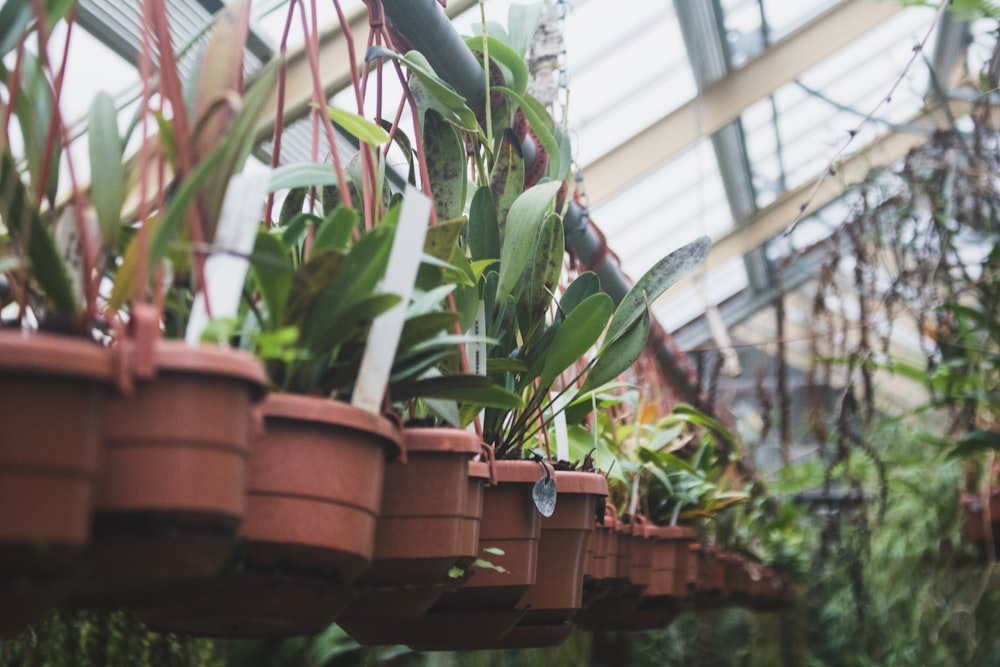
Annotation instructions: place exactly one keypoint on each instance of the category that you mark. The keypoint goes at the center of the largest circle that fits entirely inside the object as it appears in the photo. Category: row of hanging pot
(212, 508)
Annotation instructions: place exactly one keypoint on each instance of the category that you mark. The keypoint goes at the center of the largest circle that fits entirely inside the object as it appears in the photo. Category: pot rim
(593, 483)
(441, 439)
(176, 356)
(54, 354)
(335, 413)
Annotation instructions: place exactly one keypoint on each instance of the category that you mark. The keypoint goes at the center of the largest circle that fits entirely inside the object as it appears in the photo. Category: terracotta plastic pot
(402, 624)
(600, 570)
(557, 594)
(313, 500)
(421, 532)
(711, 591)
(52, 389)
(172, 489)
(668, 576)
(620, 608)
(485, 609)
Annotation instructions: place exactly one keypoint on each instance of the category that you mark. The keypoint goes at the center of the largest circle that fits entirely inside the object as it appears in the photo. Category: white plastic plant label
(476, 352)
(226, 267)
(559, 421)
(70, 246)
(411, 230)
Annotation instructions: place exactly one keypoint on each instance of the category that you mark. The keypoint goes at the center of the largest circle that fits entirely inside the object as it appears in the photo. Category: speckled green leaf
(524, 221)
(546, 267)
(615, 358)
(654, 283)
(583, 287)
(507, 178)
(442, 239)
(484, 234)
(578, 333)
(445, 154)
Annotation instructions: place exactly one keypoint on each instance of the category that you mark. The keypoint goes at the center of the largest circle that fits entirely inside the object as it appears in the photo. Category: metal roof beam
(722, 102)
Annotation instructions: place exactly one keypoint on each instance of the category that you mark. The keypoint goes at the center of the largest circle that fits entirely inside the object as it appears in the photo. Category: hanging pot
(557, 594)
(388, 616)
(485, 608)
(421, 531)
(172, 490)
(617, 609)
(600, 570)
(313, 499)
(52, 389)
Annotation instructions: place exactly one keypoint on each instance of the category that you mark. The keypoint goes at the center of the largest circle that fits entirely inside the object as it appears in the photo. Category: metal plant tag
(544, 493)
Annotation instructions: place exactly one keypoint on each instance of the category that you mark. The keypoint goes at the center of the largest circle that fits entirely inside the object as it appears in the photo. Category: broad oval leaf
(546, 267)
(484, 232)
(615, 358)
(506, 178)
(445, 157)
(523, 222)
(361, 128)
(301, 174)
(107, 188)
(655, 282)
(583, 287)
(578, 333)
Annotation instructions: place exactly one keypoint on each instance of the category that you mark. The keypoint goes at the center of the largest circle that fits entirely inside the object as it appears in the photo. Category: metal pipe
(424, 27)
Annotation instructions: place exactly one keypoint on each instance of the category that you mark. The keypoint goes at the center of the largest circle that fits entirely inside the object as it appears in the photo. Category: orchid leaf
(484, 232)
(655, 282)
(578, 333)
(526, 216)
(358, 127)
(615, 358)
(446, 162)
(107, 188)
(506, 178)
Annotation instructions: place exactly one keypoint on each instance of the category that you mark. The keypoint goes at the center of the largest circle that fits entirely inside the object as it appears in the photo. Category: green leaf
(301, 174)
(336, 229)
(273, 269)
(586, 285)
(309, 282)
(546, 267)
(441, 92)
(107, 187)
(446, 161)
(971, 443)
(468, 389)
(484, 232)
(363, 269)
(655, 282)
(541, 124)
(506, 178)
(615, 358)
(356, 318)
(21, 217)
(526, 216)
(507, 57)
(578, 333)
(423, 327)
(442, 239)
(522, 22)
(361, 128)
